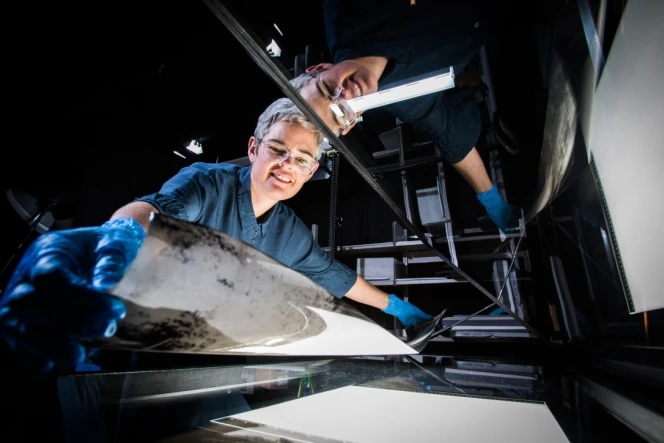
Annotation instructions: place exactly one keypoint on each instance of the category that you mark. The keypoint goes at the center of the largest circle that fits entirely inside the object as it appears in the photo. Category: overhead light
(179, 155)
(195, 147)
(400, 93)
(278, 30)
(273, 49)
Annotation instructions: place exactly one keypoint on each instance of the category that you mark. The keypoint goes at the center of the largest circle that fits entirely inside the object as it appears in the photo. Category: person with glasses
(376, 45)
(58, 289)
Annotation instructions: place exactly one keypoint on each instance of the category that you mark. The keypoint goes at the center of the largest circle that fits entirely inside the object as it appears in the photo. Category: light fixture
(195, 147)
(273, 49)
(400, 93)
(278, 30)
(179, 155)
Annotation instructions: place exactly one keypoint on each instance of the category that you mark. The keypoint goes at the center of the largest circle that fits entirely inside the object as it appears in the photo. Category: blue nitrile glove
(407, 314)
(498, 209)
(57, 292)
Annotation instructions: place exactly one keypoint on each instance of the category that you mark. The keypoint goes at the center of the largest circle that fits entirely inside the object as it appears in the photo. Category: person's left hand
(58, 293)
(407, 314)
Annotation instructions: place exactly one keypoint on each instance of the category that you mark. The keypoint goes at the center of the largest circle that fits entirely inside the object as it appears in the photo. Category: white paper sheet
(363, 414)
(341, 336)
(193, 289)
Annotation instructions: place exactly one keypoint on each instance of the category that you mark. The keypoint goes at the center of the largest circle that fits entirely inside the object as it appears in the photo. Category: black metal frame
(334, 191)
(354, 156)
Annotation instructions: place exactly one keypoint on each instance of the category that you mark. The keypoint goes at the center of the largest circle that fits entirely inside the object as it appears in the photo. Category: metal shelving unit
(410, 245)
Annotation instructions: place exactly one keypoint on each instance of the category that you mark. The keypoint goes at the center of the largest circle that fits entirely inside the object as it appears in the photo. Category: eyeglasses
(347, 116)
(302, 163)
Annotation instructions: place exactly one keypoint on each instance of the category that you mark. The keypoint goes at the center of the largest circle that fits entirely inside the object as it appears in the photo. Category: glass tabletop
(188, 404)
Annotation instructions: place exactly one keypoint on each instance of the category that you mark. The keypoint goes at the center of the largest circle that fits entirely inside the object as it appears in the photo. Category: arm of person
(340, 281)
(87, 263)
(183, 197)
(138, 210)
(366, 293)
(408, 314)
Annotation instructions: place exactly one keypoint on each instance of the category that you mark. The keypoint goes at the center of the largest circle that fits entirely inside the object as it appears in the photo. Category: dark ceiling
(130, 82)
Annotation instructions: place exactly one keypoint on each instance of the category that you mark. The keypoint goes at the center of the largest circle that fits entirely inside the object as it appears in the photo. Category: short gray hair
(284, 110)
(302, 80)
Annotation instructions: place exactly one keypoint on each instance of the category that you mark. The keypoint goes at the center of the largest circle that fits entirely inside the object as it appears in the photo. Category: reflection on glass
(375, 48)
(326, 84)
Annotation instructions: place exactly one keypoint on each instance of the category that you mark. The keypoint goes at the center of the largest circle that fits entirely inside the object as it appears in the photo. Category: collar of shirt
(246, 208)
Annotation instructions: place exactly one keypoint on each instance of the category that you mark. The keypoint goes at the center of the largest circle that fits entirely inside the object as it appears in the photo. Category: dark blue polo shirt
(219, 196)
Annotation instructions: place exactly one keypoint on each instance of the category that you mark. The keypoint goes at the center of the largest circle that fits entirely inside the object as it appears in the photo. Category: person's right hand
(58, 292)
